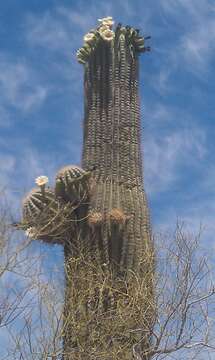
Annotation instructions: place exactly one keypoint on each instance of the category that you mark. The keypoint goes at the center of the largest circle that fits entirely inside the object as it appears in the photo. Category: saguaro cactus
(111, 147)
(99, 212)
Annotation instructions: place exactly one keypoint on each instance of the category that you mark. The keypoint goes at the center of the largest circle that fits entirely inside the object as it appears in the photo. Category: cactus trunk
(112, 147)
(119, 227)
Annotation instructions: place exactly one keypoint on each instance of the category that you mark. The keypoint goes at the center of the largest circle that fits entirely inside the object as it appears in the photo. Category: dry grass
(105, 315)
(164, 310)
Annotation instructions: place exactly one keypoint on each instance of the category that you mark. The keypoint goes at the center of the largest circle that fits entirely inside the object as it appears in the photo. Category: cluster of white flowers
(105, 29)
(107, 21)
(89, 37)
(41, 180)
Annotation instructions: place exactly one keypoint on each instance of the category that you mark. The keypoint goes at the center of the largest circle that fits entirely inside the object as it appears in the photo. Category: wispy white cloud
(184, 43)
(18, 173)
(161, 114)
(189, 8)
(170, 153)
(7, 166)
(166, 155)
(19, 85)
(194, 44)
(195, 214)
(63, 27)
(198, 45)
(48, 31)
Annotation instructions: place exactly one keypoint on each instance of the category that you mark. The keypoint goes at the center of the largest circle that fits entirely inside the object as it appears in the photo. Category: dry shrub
(106, 315)
(151, 314)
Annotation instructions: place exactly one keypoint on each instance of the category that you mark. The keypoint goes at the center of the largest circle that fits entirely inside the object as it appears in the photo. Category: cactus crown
(104, 33)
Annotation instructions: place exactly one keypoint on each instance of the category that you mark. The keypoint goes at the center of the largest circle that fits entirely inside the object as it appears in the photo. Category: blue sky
(41, 102)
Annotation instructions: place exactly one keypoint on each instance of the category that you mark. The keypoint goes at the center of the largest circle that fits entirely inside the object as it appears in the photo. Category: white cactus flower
(107, 18)
(30, 232)
(108, 21)
(89, 37)
(41, 180)
(107, 34)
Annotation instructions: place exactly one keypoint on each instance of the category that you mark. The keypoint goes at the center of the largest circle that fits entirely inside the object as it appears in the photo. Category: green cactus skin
(51, 220)
(35, 203)
(112, 145)
(72, 184)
